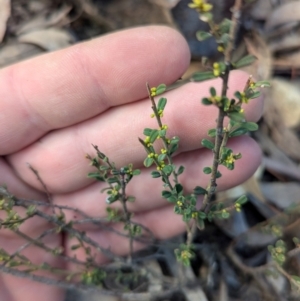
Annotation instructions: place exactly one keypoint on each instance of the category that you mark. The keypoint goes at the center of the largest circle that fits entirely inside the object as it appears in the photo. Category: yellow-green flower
(194, 214)
(237, 207)
(221, 48)
(244, 98)
(230, 159)
(215, 99)
(179, 203)
(153, 91)
(216, 69)
(201, 6)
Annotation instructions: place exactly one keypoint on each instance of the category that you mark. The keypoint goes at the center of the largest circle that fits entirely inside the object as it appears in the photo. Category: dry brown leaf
(285, 43)
(288, 61)
(277, 161)
(42, 21)
(261, 9)
(286, 96)
(48, 39)
(4, 15)
(261, 68)
(276, 167)
(15, 52)
(285, 13)
(283, 195)
(282, 136)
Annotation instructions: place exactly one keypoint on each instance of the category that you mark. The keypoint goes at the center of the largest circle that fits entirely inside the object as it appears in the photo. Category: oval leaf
(208, 144)
(200, 190)
(148, 162)
(207, 170)
(242, 200)
(202, 76)
(161, 103)
(160, 89)
(245, 61)
(203, 35)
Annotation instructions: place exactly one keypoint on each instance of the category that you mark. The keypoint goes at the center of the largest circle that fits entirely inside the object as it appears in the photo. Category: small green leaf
(136, 172)
(238, 132)
(166, 194)
(180, 170)
(199, 191)
(242, 200)
(208, 144)
(236, 116)
(225, 26)
(212, 133)
(238, 95)
(250, 126)
(203, 35)
(161, 157)
(255, 94)
(161, 103)
(162, 133)
(207, 170)
(245, 61)
(75, 247)
(30, 210)
(202, 76)
(112, 198)
(147, 131)
(97, 176)
(202, 214)
(172, 199)
(224, 39)
(155, 174)
(153, 136)
(167, 169)
(213, 91)
(174, 140)
(173, 149)
(178, 188)
(225, 214)
(205, 101)
(104, 167)
(130, 199)
(263, 84)
(148, 162)
(160, 89)
(113, 180)
(218, 175)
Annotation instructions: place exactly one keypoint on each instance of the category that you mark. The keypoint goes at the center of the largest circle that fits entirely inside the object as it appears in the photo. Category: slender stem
(219, 139)
(127, 215)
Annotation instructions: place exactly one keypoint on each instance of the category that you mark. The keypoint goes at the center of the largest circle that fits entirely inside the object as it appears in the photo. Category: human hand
(55, 106)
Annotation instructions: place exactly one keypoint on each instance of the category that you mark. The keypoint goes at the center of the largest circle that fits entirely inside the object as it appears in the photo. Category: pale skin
(55, 106)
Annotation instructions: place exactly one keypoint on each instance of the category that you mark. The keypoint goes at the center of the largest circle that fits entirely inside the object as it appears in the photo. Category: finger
(71, 85)
(59, 157)
(147, 190)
